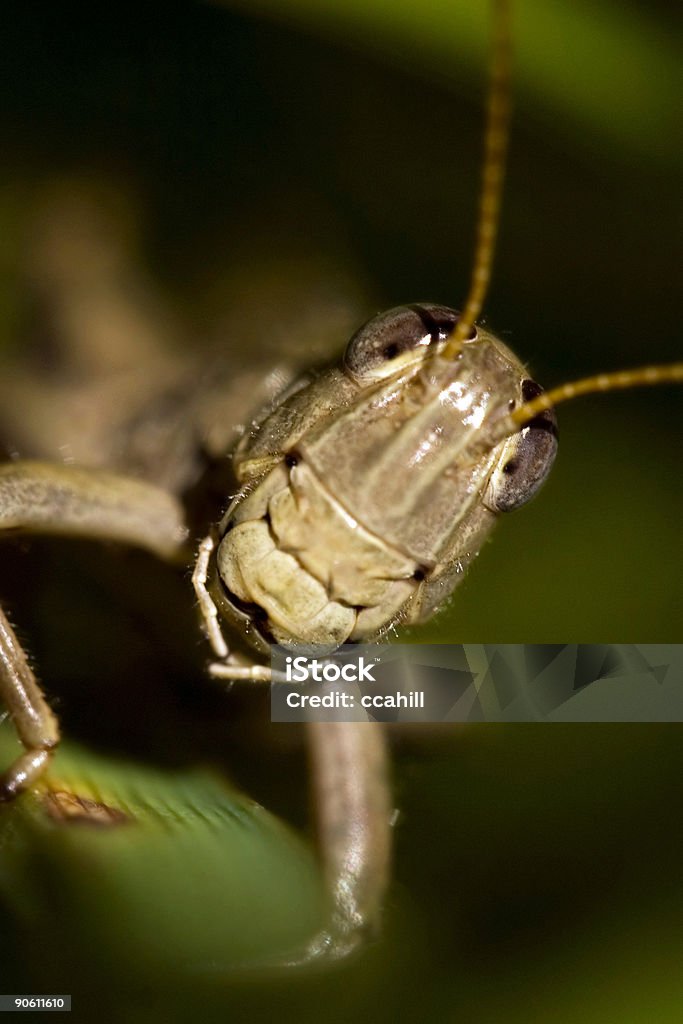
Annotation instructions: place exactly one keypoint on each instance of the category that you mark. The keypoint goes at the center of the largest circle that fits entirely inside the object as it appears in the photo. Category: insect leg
(207, 606)
(51, 498)
(223, 669)
(36, 726)
(250, 673)
(353, 809)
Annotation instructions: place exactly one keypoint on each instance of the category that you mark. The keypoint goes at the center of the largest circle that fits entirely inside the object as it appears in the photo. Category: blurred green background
(537, 868)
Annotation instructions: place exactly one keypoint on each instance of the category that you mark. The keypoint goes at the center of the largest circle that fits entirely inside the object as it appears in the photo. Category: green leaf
(114, 867)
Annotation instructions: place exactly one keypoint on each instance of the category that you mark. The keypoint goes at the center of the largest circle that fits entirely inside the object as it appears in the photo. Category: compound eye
(395, 339)
(526, 459)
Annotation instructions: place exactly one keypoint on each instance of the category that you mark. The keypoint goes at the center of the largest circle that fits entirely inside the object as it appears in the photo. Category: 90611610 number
(32, 1002)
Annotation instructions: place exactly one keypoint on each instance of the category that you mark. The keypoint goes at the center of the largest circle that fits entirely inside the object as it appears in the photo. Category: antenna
(496, 137)
(616, 380)
(493, 173)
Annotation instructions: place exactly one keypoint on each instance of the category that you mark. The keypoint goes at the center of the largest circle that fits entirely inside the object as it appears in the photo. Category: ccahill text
(340, 699)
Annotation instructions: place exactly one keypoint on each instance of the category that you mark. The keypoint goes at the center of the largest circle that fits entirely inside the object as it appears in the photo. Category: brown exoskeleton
(441, 430)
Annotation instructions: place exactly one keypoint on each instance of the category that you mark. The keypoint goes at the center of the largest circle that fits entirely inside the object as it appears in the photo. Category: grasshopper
(358, 495)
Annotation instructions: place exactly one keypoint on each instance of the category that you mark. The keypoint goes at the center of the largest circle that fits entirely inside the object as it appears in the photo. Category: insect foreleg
(52, 498)
(225, 668)
(253, 673)
(38, 497)
(207, 606)
(36, 726)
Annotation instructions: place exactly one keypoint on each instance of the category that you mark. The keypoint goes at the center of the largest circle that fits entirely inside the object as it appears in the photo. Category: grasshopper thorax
(369, 487)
